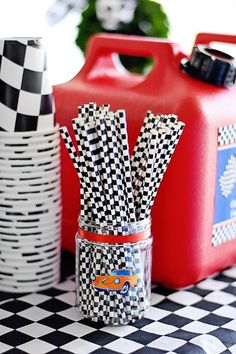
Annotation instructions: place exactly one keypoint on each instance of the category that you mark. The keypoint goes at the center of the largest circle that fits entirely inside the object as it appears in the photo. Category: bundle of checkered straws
(117, 191)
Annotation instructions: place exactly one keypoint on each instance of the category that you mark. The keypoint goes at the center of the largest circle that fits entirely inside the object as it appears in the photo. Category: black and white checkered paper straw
(168, 142)
(115, 166)
(146, 175)
(86, 200)
(167, 131)
(122, 139)
(86, 117)
(105, 166)
(121, 192)
(140, 149)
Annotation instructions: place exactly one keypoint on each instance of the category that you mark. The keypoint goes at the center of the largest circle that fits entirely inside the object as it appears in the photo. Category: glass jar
(113, 271)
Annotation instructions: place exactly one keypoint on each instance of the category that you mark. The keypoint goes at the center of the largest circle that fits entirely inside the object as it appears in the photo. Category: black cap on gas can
(211, 65)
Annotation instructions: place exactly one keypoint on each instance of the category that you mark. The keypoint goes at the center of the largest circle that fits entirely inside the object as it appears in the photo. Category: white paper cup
(31, 182)
(28, 182)
(24, 68)
(23, 189)
(12, 246)
(10, 259)
(25, 270)
(29, 171)
(31, 239)
(19, 152)
(29, 187)
(32, 164)
(23, 217)
(29, 204)
(34, 247)
(39, 215)
(30, 220)
(36, 283)
(24, 241)
(18, 146)
(22, 225)
(30, 197)
(28, 267)
(45, 192)
(32, 254)
(29, 165)
(36, 224)
(34, 275)
(31, 209)
(7, 158)
(30, 242)
(33, 280)
(28, 135)
(29, 176)
(31, 229)
(18, 201)
(30, 193)
(25, 206)
(29, 288)
(27, 247)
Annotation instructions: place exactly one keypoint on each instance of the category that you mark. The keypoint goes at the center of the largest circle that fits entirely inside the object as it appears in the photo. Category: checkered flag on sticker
(228, 179)
(26, 102)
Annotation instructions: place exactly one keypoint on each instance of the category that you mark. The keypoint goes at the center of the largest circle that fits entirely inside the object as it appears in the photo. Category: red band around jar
(139, 236)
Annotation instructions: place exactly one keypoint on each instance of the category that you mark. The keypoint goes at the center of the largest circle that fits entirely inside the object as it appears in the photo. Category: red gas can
(194, 215)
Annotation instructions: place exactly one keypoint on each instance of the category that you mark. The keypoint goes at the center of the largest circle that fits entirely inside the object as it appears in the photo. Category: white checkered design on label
(227, 135)
(228, 178)
(223, 233)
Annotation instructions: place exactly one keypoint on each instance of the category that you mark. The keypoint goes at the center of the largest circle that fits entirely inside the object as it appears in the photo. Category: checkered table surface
(198, 319)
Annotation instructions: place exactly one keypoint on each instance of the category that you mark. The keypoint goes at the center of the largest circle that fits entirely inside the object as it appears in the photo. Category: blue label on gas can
(225, 197)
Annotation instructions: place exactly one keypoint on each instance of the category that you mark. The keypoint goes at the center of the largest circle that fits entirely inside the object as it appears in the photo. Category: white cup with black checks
(26, 101)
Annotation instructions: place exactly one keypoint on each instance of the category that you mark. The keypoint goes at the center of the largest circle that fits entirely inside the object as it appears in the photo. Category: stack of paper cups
(30, 196)
(30, 210)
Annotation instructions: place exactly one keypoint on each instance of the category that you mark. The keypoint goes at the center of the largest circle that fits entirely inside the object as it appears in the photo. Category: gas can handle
(101, 49)
(207, 38)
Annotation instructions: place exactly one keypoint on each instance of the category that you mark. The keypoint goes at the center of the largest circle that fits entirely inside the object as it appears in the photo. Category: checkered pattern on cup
(26, 102)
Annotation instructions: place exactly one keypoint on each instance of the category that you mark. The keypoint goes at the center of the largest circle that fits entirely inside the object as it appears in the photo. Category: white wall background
(22, 18)
(187, 17)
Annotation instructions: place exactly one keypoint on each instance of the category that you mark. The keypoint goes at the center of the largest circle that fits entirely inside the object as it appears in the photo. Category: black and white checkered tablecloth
(196, 320)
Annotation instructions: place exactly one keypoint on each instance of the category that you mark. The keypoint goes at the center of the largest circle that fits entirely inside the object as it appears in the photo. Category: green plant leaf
(149, 20)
